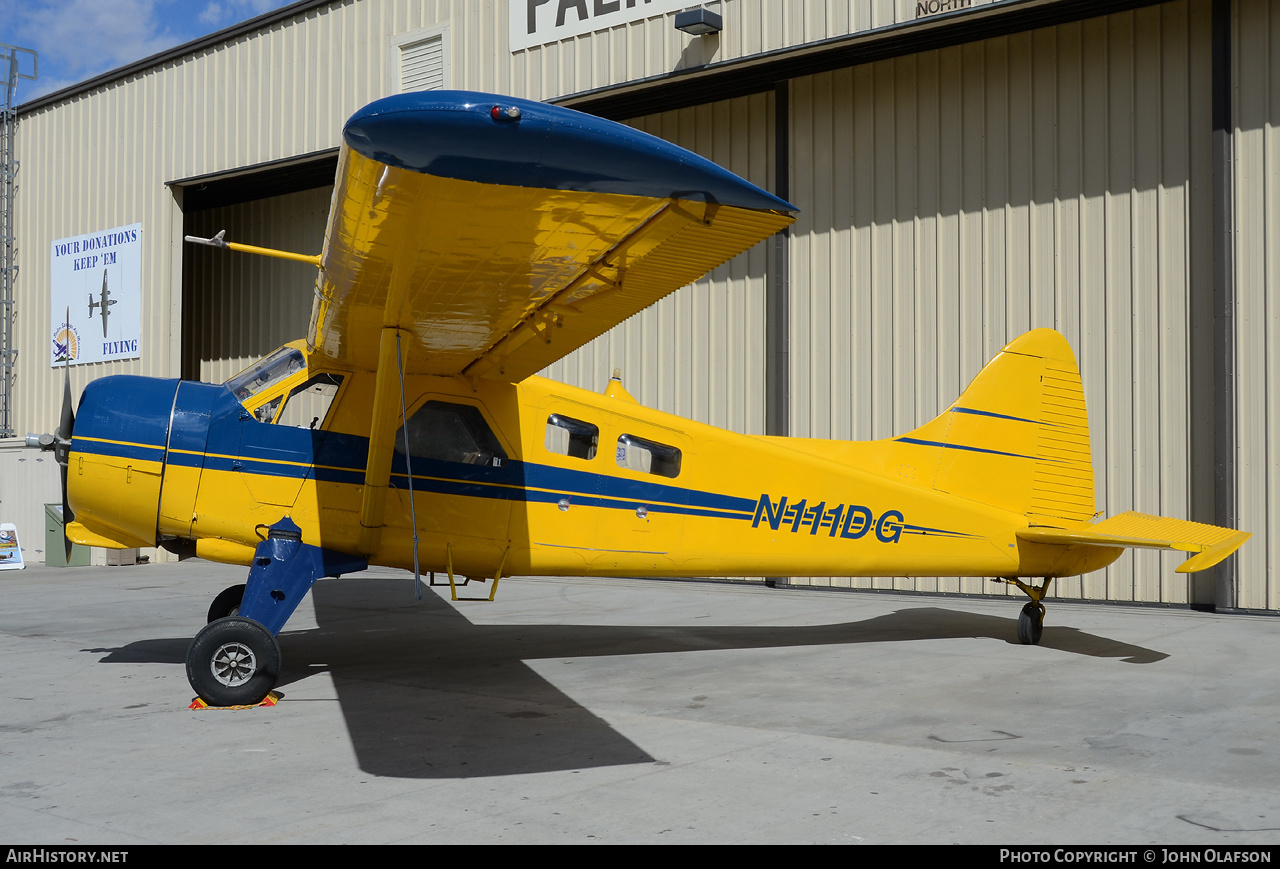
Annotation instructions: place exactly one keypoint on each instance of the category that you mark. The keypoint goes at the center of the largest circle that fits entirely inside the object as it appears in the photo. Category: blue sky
(78, 39)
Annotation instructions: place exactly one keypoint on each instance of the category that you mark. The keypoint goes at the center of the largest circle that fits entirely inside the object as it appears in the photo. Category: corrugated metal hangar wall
(952, 198)
(1255, 225)
(958, 198)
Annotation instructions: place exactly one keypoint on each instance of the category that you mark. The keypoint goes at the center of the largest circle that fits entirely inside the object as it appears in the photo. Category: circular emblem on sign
(66, 343)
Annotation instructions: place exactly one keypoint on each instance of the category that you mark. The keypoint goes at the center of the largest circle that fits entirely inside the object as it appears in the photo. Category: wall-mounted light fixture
(700, 21)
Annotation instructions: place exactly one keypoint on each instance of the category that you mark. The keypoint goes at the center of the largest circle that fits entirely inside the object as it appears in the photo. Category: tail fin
(1018, 437)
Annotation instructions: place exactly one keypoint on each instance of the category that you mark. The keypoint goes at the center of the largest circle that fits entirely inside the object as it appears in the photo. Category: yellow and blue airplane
(473, 240)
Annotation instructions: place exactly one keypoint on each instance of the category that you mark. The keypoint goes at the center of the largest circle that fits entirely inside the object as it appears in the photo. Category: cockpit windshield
(266, 372)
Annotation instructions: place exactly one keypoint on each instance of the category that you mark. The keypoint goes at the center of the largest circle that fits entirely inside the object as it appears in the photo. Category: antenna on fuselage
(614, 388)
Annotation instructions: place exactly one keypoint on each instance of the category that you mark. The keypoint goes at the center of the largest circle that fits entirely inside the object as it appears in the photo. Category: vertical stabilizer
(1018, 437)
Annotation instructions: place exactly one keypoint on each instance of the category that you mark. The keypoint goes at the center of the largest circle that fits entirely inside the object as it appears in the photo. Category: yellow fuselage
(644, 493)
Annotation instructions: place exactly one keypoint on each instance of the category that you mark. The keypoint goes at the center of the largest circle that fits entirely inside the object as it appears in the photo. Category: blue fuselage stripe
(513, 481)
(207, 428)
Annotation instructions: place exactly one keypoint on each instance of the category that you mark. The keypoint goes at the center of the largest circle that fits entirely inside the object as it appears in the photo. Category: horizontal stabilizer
(1211, 542)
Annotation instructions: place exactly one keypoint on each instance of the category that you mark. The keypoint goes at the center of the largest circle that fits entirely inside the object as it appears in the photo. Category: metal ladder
(10, 72)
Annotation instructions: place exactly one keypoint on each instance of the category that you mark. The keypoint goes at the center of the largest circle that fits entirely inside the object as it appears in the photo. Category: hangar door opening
(238, 307)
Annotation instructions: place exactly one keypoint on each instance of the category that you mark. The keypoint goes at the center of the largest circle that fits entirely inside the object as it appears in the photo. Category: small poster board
(10, 551)
(95, 285)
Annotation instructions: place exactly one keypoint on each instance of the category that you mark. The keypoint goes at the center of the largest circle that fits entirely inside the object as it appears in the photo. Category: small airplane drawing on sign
(105, 303)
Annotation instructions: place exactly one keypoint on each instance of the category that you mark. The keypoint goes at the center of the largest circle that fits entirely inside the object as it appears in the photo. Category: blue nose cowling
(131, 413)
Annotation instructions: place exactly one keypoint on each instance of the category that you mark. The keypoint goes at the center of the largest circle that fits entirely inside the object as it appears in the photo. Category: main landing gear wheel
(227, 603)
(1031, 623)
(233, 662)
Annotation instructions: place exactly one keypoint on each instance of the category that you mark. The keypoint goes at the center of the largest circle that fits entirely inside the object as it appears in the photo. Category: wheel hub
(233, 664)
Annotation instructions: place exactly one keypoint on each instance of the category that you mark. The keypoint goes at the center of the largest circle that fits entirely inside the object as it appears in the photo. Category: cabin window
(650, 457)
(308, 404)
(451, 433)
(571, 437)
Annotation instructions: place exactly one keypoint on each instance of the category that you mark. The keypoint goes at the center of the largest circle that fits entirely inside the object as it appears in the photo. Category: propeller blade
(66, 428)
(67, 515)
(67, 422)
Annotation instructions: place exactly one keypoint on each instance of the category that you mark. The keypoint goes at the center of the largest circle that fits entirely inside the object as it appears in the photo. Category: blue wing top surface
(455, 134)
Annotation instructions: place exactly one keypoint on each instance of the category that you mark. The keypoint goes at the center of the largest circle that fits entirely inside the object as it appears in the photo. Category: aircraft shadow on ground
(427, 694)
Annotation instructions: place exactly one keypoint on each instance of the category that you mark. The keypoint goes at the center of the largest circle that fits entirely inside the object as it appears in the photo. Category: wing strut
(220, 240)
(377, 474)
(408, 470)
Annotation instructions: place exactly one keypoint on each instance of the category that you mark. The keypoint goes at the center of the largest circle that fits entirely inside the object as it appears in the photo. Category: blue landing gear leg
(235, 661)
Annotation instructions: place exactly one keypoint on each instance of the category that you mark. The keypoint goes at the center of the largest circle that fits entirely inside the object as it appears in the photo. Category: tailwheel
(233, 662)
(1031, 623)
(227, 603)
(1031, 619)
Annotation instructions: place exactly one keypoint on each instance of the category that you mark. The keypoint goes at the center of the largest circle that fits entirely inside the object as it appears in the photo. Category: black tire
(227, 603)
(233, 662)
(1030, 624)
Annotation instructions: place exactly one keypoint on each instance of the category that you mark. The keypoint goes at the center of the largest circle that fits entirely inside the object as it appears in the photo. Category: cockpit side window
(308, 404)
(451, 433)
(267, 412)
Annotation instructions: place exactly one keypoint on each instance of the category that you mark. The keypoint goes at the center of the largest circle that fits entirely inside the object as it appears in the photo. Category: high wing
(487, 236)
(474, 224)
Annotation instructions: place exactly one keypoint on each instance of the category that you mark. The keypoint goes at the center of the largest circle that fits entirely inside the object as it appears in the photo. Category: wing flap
(610, 292)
